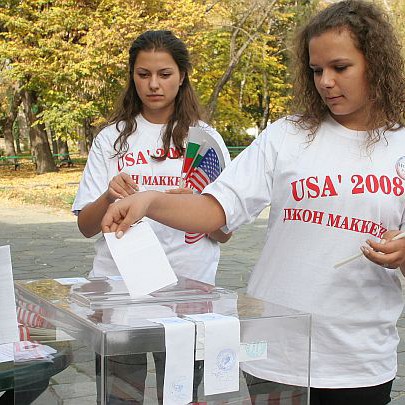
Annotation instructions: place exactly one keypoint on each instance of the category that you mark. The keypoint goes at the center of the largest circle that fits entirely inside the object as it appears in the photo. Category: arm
(89, 218)
(387, 253)
(187, 212)
(218, 235)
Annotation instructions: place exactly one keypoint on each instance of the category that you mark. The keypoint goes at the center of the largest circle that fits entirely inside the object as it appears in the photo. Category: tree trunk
(24, 138)
(63, 149)
(265, 104)
(39, 140)
(17, 142)
(9, 139)
(81, 143)
(236, 55)
(88, 133)
(9, 121)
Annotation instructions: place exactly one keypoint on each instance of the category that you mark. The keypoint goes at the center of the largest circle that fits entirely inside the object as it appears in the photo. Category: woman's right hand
(121, 186)
(123, 213)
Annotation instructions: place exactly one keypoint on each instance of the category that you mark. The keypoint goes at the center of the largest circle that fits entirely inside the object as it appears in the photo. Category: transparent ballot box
(101, 346)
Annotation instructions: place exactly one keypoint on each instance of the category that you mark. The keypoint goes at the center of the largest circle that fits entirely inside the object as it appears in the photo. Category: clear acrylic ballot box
(94, 344)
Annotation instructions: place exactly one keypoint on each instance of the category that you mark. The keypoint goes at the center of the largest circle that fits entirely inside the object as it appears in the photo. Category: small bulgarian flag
(192, 157)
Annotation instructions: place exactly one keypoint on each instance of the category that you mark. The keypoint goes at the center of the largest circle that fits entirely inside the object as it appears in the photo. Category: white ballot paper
(179, 367)
(221, 352)
(6, 352)
(141, 260)
(8, 314)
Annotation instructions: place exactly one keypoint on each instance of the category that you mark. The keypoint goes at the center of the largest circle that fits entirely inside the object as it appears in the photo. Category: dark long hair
(374, 36)
(187, 110)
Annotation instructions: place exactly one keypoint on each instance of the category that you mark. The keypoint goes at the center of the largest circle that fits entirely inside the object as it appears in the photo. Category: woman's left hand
(387, 253)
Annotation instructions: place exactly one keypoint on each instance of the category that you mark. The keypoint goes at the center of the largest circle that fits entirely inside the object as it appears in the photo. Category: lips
(334, 98)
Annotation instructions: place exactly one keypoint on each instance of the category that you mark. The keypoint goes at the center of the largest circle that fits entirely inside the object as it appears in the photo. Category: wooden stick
(354, 257)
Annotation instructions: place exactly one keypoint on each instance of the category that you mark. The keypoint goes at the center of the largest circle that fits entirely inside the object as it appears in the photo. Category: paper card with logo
(221, 352)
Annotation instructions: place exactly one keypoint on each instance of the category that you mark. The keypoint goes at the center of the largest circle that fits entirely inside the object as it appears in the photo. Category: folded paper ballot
(221, 351)
(141, 260)
(179, 364)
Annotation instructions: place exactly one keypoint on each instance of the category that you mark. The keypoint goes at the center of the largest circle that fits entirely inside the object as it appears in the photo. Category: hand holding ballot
(176, 211)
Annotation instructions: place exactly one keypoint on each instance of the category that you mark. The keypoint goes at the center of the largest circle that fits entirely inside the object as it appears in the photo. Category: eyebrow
(337, 60)
(142, 68)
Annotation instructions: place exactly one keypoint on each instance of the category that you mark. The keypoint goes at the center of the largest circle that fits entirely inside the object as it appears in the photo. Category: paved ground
(45, 243)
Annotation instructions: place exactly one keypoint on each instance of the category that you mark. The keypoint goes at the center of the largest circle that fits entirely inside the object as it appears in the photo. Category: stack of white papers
(28, 351)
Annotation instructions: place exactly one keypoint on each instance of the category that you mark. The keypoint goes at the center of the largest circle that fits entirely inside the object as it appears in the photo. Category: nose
(327, 79)
(154, 82)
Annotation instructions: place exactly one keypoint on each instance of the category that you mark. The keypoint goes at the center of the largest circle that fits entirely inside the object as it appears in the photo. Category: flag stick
(183, 179)
(354, 257)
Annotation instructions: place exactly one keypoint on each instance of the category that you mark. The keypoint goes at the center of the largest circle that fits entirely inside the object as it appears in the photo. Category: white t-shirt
(197, 261)
(327, 198)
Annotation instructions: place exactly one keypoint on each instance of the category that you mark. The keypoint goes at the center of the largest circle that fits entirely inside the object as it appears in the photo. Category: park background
(62, 64)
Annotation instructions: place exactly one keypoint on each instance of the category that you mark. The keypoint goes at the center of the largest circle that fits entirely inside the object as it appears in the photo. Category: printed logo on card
(400, 167)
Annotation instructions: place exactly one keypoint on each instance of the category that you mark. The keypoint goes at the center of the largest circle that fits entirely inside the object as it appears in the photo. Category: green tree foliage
(72, 55)
(246, 40)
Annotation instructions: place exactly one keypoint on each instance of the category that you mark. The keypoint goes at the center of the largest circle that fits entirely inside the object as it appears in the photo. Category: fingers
(123, 213)
(122, 186)
(179, 190)
(386, 253)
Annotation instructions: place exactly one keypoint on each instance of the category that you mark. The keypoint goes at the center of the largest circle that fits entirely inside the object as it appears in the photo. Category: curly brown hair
(187, 110)
(374, 36)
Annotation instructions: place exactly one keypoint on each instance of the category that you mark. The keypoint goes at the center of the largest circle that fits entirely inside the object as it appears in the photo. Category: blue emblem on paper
(226, 359)
(177, 388)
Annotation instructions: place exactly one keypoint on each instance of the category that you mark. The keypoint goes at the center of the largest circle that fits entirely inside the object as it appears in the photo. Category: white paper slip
(28, 351)
(221, 352)
(8, 313)
(253, 351)
(141, 260)
(6, 352)
(179, 367)
(70, 280)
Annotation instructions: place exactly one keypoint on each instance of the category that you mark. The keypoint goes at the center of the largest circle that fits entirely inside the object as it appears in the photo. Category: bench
(10, 161)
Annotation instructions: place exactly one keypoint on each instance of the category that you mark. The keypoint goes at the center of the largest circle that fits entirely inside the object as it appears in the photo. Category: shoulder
(107, 135)
(282, 129)
(288, 124)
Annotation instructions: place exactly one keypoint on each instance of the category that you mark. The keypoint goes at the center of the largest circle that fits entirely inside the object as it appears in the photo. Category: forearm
(89, 218)
(187, 212)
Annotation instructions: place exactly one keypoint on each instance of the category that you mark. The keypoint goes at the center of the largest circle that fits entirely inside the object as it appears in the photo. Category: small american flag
(206, 172)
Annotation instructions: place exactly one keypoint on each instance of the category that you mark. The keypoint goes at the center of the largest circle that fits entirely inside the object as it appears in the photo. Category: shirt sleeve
(95, 178)
(245, 187)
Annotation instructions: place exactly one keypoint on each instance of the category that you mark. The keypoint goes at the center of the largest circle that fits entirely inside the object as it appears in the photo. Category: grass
(55, 190)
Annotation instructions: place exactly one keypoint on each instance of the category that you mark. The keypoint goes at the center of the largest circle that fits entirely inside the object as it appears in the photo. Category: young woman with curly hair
(334, 174)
